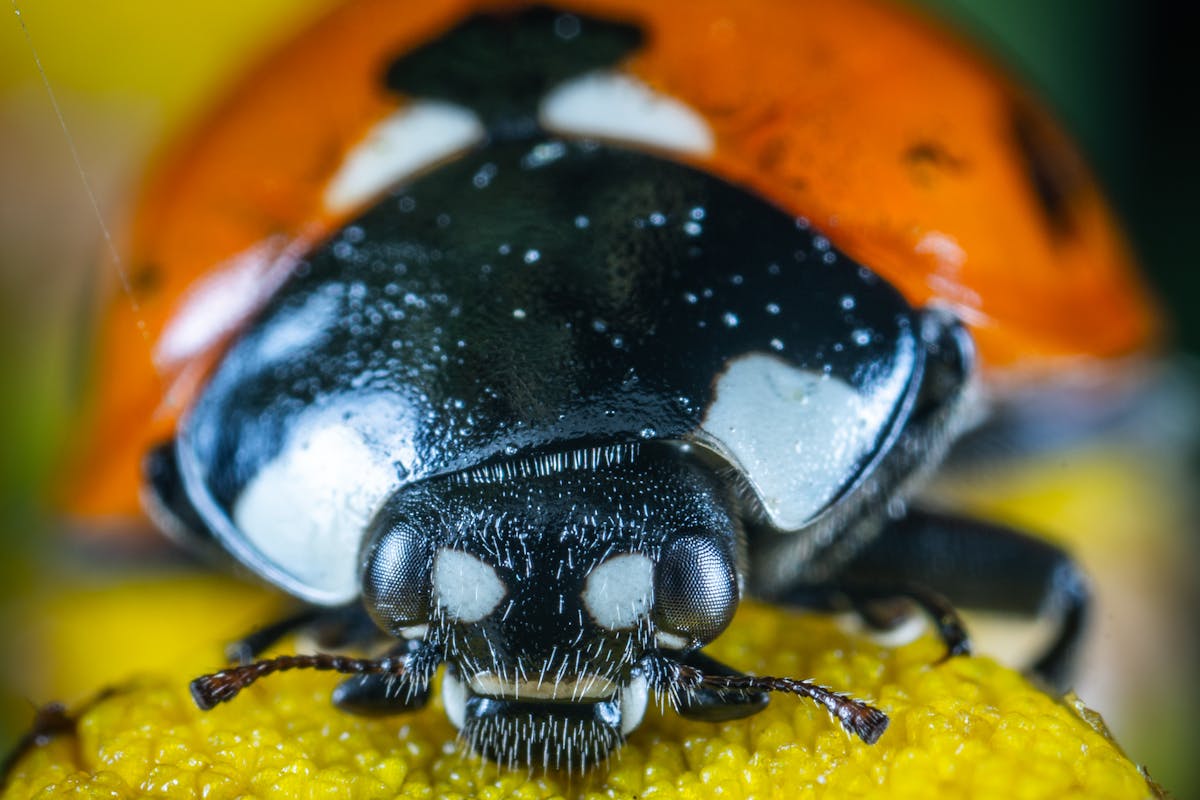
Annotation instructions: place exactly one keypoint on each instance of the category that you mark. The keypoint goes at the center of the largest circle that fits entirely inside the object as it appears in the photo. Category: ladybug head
(546, 583)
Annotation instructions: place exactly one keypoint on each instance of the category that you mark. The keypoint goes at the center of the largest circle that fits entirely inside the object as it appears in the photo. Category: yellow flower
(960, 728)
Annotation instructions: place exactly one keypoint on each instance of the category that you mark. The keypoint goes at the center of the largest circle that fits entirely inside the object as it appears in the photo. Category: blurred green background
(129, 73)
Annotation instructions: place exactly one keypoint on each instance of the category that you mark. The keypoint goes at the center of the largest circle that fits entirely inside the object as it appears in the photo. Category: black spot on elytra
(928, 159)
(501, 65)
(933, 154)
(1054, 170)
(145, 280)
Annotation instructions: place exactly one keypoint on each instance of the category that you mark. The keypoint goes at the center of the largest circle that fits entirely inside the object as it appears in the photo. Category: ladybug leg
(383, 694)
(167, 502)
(885, 605)
(331, 628)
(711, 705)
(886, 608)
(977, 564)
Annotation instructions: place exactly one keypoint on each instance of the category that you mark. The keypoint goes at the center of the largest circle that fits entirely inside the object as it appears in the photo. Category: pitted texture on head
(537, 580)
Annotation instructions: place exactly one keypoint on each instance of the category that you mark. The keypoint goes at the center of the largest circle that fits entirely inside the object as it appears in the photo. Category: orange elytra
(910, 152)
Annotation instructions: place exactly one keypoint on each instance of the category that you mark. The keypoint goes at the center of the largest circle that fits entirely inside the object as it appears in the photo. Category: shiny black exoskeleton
(548, 410)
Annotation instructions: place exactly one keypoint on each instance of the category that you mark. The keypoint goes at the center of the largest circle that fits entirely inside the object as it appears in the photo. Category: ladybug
(528, 340)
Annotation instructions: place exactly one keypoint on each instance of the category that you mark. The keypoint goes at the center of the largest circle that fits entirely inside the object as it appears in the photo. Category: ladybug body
(546, 386)
(601, 298)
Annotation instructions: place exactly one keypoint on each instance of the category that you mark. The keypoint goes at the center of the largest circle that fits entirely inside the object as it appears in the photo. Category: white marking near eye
(466, 588)
(670, 641)
(414, 631)
(797, 435)
(417, 136)
(620, 591)
(454, 698)
(634, 698)
(610, 105)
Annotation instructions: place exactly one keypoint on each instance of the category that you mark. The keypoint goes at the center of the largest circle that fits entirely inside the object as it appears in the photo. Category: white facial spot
(633, 704)
(797, 435)
(454, 698)
(620, 591)
(466, 588)
(414, 138)
(305, 512)
(609, 105)
(414, 631)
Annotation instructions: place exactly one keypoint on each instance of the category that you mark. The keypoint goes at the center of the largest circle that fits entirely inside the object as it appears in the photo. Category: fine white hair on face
(610, 105)
(619, 591)
(416, 137)
(466, 588)
(584, 687)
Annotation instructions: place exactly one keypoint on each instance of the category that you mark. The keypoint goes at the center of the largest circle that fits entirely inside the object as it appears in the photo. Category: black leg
(49, 722)
(333, 628)
(973, 564)
(875, 602)
(383, 694)
(885, 604)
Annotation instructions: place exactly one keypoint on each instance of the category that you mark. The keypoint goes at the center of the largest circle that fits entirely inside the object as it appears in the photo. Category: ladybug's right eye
(397, 583)
(695, 591)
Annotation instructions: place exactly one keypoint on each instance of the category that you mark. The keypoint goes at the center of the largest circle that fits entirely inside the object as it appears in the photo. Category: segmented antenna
(210, 691)
(864, 721)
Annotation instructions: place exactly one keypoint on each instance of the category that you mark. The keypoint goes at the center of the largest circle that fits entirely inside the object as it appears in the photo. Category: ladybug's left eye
(397, 584)
(695, 591)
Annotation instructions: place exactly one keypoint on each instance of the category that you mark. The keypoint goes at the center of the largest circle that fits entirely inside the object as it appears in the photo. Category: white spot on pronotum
(797, 435)
(414, 138)
(305, 511)
(619, 591)
(466, 588)
(609, 105)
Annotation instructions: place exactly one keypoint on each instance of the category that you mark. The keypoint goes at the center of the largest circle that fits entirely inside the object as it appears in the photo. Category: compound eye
(397, 584)
(695, 591)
